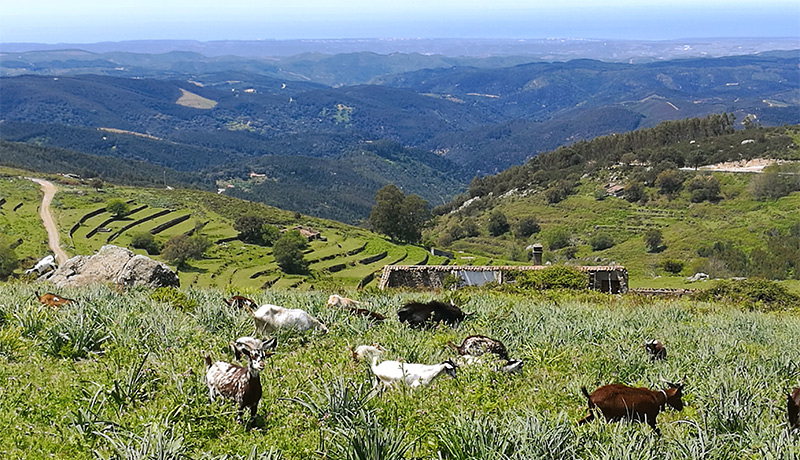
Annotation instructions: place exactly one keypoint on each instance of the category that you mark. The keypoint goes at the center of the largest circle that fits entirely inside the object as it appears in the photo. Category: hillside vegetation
(120, 375)
(596, 202)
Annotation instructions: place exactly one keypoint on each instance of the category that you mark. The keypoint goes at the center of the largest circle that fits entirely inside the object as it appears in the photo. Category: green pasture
(120, 375)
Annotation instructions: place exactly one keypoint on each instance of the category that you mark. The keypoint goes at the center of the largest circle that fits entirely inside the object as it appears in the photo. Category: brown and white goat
(52, 300)
(240, 302)
(655, 349)
(621, 402)
(336, 300)
(242, 384)
(793, 408)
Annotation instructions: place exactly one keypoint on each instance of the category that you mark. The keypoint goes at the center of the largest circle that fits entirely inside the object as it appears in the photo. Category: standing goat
(621, 402)
(419, 314)
(242, 384)
(793, 408)
(269, 317)
(52, 300)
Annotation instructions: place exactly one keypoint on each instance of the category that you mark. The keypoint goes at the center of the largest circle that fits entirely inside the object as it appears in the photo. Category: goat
(793, 408)
(617, 402)
(419, 314)
(655, 349)
(352, 305)
(46, 264)
(52, 300)
(240, 302)
(269, 317)
(242, 384)
(414, 375)
(250, 342)
(477, 345)
(362, 351)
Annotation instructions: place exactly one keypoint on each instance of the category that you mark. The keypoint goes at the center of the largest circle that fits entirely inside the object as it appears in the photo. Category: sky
(90, 21)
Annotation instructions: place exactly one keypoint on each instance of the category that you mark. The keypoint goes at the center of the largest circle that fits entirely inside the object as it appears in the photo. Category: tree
(633, 192)
(669, 182)
(288, 252)
(398, 216)
(181, 248)
(8, 260)
(249, 228)
(526, 227)
(96, 183)
(703, 188)
(498, 224)
(653, 240)
(146, 241)
(118, 208)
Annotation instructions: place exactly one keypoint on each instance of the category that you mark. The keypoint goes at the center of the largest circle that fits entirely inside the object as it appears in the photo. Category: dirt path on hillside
(49, 224)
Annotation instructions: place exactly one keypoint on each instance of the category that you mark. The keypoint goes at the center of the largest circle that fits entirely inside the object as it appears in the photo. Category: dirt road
(49, 224)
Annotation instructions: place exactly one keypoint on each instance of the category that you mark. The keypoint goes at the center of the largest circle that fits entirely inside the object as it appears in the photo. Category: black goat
(419, 314)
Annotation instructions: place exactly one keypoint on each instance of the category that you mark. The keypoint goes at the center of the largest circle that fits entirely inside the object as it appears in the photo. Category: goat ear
(270, 345)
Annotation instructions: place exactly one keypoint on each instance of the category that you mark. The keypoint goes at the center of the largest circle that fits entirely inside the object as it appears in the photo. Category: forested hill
(435, 129)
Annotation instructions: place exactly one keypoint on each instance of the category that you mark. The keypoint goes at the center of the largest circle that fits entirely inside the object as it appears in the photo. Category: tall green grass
(122, 376)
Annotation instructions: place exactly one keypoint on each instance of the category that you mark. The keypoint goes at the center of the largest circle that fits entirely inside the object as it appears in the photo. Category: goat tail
(588, 397)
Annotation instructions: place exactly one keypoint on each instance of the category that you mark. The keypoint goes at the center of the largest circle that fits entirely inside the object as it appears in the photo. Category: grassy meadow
(119, 375)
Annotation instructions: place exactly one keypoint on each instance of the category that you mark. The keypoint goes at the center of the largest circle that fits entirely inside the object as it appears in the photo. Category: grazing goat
(477, 345)
(339, 301)
(242, 384)
(655, 349)
(268, 318)
(419, 314)
(617, 402)
(413, 375)
(793, 408)
(363, 351)
(240, 302)
(52, 300)
(48, 263)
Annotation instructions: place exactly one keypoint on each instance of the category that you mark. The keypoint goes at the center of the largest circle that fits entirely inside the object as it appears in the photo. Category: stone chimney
(537, 251)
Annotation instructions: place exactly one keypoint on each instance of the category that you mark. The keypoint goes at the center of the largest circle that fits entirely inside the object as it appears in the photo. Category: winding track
(49, 224)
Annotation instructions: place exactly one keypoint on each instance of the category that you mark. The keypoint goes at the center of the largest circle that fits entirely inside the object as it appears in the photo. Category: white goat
(411, 374)
(337, 300)
(269, 317)
(242, 384)
(48, 263)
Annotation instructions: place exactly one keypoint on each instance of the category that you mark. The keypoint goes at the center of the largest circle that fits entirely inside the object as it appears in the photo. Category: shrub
(555, 277)
(672, 266)
(8, 259)
(760, 294)
(526, 227)
(703, 188)
(498, 224)
(174, 297)
(558, 238)
(146, 241)
(601, 241)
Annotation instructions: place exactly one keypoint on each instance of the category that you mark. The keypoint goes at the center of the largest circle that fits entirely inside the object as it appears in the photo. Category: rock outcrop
(113, 264)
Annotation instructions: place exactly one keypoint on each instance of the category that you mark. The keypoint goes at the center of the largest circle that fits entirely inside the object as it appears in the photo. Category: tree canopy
(288, 252)
(397, 215)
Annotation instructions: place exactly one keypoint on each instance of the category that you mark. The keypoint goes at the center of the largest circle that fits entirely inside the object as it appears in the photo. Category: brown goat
(240, 302)
(52, 300)
(793, 408)
(655, 349)
(621, 402)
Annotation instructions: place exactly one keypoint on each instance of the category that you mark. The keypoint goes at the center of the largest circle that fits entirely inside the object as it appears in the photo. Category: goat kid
(793, 408)
(655, 349)
(621, 402)
(242, 384)
(52, 300)
(269, 318)
(338, 301)
(240, 302)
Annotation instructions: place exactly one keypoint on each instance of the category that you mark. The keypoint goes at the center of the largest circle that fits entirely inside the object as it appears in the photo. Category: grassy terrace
(116, 371)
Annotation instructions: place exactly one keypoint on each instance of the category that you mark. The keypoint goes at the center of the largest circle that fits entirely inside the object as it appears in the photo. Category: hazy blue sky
(52, 21)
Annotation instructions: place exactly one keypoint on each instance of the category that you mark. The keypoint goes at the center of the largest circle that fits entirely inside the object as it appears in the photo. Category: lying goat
(52, 300)
(419, 314)
(242, 384)
(655, 349)
(617, 402)
(269, 318)
(793, 408)
(478, 345)
(240, 302)
(352, 305)
(414, 375)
